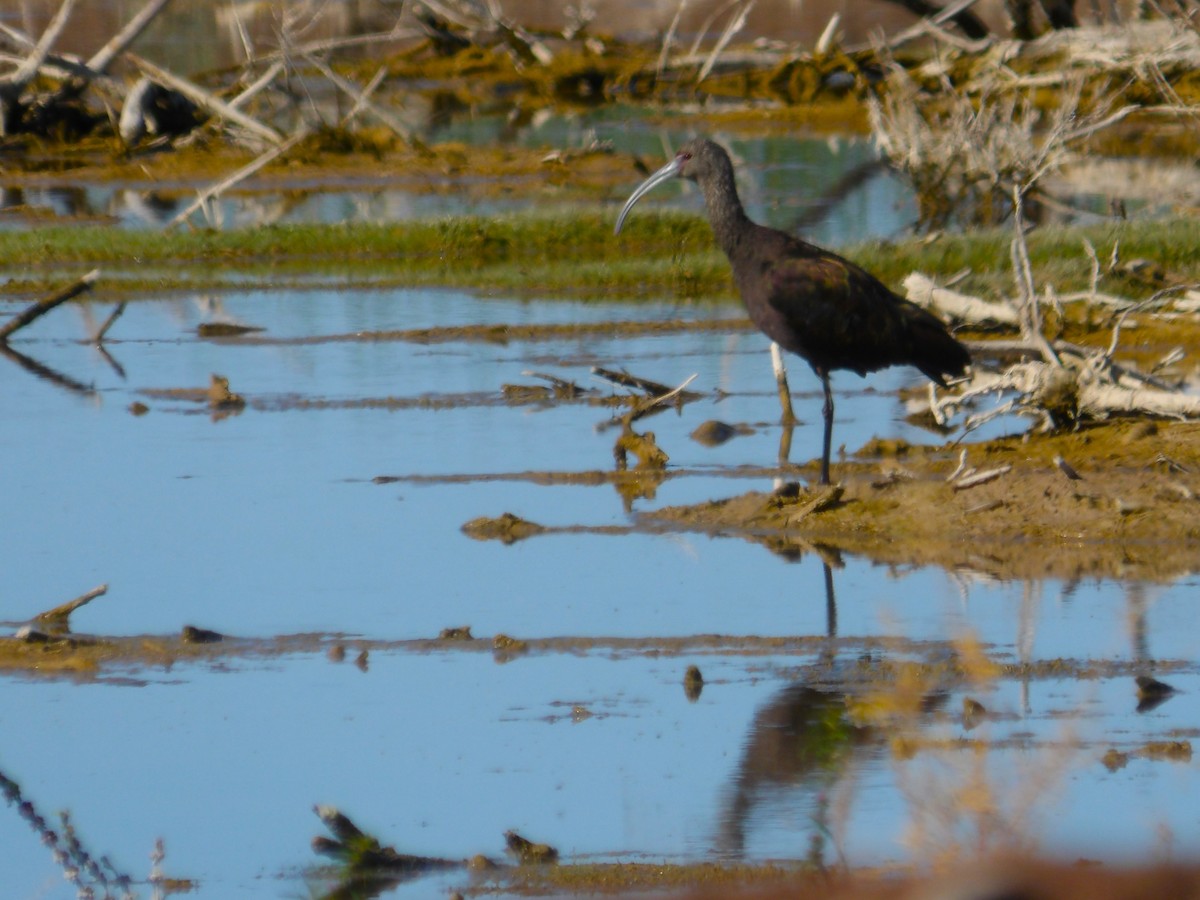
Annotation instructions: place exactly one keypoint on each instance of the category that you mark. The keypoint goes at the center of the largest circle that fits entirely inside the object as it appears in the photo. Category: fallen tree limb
(923, 291)
(57, 618)
(206, 100)
(39, 309)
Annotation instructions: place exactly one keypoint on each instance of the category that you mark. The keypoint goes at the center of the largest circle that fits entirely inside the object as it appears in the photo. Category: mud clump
(506, 528)
(1134, 514)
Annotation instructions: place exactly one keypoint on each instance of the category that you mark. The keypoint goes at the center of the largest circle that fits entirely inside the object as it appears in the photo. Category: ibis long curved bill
(666, 173)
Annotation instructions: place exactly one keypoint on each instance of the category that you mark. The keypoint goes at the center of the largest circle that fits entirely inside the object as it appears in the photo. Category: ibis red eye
(685, 155)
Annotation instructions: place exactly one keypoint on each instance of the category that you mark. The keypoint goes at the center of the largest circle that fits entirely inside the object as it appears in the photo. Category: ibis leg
(781, 382)
(827, 412)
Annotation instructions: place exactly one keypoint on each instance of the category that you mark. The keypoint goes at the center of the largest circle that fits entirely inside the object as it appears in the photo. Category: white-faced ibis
(810, 301)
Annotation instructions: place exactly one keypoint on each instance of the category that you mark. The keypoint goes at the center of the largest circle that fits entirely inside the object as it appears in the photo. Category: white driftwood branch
(924, 292)
(28, 70)
(1101, 400)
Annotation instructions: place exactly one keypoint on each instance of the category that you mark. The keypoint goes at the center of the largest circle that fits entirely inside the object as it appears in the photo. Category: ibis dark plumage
(809, 301)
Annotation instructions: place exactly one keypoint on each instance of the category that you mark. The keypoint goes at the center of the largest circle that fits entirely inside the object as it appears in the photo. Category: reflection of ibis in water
(802, 739)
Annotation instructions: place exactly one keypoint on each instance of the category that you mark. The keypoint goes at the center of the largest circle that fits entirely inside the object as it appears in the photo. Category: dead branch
(39, 309)
(361, 98)
(923, 291)
(971, 481)
(256, 87)
(15, 82)
(642, 407)
(624, 379)
(206, 100)
(56, 619)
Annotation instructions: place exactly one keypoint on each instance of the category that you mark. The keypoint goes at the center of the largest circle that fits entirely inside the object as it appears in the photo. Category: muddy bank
(1131, 513)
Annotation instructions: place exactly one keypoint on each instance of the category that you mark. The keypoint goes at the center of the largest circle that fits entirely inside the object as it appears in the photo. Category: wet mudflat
(318, 526)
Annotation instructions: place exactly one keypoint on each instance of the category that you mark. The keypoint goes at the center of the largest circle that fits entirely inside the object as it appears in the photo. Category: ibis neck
(725, 213)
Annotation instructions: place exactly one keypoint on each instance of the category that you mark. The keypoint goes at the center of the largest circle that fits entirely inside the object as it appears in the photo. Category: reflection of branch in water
(111, 360)
(45, 372)
(79, 866)
(818, 210)
(43, 306)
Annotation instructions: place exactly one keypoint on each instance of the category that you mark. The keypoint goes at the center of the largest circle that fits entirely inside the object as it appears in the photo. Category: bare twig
(669, 37)
(735, 25)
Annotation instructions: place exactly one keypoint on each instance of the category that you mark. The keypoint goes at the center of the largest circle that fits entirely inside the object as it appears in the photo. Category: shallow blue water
(269, 522)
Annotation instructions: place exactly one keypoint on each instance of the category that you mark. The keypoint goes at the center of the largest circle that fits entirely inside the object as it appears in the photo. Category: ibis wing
(842, 317)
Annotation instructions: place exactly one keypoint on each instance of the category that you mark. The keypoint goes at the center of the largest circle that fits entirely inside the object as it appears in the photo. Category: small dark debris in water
(527, 852)
(693, 683)
(1152, 693)
(362, 661)
(580, 713)
(225, 329)
(458, 633)
(221, 397)
(507, 528)
(1114, 759)
(138, 408)
(337, 653)
(193, 635)
(973, 713)
(714, 433)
